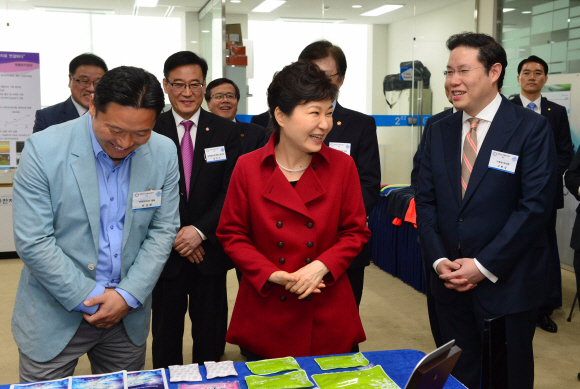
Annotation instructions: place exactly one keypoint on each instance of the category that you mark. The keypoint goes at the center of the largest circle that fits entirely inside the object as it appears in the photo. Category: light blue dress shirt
(113, 189)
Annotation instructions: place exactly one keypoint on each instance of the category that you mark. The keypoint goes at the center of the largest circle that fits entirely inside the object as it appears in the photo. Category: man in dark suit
(572, 178)
(532, 76)
(262, 119)
(486, 189)
(433, 321)
(355, 134)
(208, 147)
(222, 97)
(84, 73)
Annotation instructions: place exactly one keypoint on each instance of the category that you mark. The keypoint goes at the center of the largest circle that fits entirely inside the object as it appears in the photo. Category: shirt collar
(526, 101)
(178, 119)
(80, 109)
(97, 149)
(488, 112)
(334, 105)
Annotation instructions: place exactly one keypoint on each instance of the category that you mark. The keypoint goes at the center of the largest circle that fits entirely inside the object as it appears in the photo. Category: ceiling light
(146, 3)
(382, 10)
(357, 6)
(268, 5)
(310, 20)
(193, 41)
(526, 12)
(77, 10)
(205, 31)
(235, 1)
(508, 10)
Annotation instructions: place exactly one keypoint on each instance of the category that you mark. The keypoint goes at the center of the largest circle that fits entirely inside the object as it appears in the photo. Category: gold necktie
(469, 154)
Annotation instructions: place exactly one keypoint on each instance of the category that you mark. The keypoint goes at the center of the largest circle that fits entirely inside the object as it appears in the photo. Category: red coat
(266, 225)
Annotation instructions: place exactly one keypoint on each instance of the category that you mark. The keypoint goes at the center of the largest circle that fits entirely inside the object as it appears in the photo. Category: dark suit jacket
(253, 136)
(501, 220)
(55, 114)
(360, 131)
(558, 118)
(261, 120)
(208, 187)
(572, 178)
(421, 146)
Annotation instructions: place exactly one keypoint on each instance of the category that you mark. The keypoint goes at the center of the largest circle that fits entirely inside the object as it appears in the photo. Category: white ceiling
(304, 9)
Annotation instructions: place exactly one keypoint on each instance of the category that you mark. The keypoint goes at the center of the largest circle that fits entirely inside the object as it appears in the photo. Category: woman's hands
(303, 282)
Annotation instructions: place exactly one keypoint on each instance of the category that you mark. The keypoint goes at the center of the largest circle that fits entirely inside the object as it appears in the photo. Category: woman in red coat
(293, 220)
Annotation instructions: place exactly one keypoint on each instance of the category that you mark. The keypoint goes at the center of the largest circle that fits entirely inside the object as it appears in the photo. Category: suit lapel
(451, 134)
(280, 191)
(545, 110)
(140, 169)
(85, 172)
(203, 135)
(502, 128)
(168, 128)
(340, 122)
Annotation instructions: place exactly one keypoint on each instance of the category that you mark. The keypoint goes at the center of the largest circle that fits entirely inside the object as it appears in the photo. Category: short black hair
(490, 52)
(296, 84)
(322, 49)
(130, 87)
(533, 58)
(217, 82)
(182, 58)
(84, 60)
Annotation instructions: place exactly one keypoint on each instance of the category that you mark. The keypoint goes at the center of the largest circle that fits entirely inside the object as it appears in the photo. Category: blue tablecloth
(398, 364)
(395, 249)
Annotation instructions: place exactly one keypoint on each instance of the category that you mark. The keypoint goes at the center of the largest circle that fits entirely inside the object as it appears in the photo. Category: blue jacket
(56, 232)
(55, 114)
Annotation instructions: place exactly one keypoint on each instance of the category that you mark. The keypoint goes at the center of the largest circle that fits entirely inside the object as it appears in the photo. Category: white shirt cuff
(437, 263)
(578, 191)
(203, 237)
(485, 272)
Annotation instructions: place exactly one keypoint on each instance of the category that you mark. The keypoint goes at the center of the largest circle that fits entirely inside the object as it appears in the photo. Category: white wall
(420, 38)
(59, 37)
(277, 44)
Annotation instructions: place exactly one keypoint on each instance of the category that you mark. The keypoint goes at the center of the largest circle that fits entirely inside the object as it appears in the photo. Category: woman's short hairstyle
(298, 83)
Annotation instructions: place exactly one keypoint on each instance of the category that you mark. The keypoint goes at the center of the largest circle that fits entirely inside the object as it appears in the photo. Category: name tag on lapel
(215, 154)
(146, 200)
(344, 147)
(503, 161)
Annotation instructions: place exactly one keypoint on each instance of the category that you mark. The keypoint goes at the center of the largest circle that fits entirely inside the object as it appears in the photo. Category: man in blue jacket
(96, 200)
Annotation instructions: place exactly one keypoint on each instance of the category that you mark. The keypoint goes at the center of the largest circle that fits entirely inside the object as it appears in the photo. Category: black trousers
(463, 320)
(556, 275)
(431, 310)
(577, 269)
(206, 298)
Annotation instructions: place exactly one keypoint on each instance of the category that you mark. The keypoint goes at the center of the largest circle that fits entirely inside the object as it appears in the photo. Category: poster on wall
(19, 101)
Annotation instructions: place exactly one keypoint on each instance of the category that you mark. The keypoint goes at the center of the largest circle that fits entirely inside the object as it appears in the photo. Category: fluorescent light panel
(508, 10)
(268, 5)
(146, 3)
(76, 10)
(382, 10)
(310, 20)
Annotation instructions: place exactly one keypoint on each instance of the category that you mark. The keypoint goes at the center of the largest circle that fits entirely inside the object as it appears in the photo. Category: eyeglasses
(221, 96)
(86, 83)
(180, 86)
(460, 73)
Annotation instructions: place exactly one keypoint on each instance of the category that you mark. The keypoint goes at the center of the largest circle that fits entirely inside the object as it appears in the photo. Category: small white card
(344, 147)
(146, 200)
(503, 161)
(215, 154)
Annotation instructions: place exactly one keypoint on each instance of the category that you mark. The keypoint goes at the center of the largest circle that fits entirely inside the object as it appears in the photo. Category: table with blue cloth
(395, 249)
(398, 364)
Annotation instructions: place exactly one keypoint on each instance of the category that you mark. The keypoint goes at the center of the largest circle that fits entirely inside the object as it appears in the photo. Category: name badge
(503, 161)
(344, 147)
(215, 154)
(146, 200)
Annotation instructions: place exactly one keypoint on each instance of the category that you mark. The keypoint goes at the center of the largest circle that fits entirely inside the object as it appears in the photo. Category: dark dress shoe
(547, 324)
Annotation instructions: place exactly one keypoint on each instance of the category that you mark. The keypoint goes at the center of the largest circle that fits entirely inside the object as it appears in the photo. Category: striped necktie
(469, 154)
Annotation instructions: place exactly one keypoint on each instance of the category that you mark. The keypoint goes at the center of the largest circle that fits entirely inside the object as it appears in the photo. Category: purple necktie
(187, 153)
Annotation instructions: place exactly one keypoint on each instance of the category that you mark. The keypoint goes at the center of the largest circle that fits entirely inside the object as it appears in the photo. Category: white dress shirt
(80, 109)
(538, 102)
(486, 116)
(192, 133)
